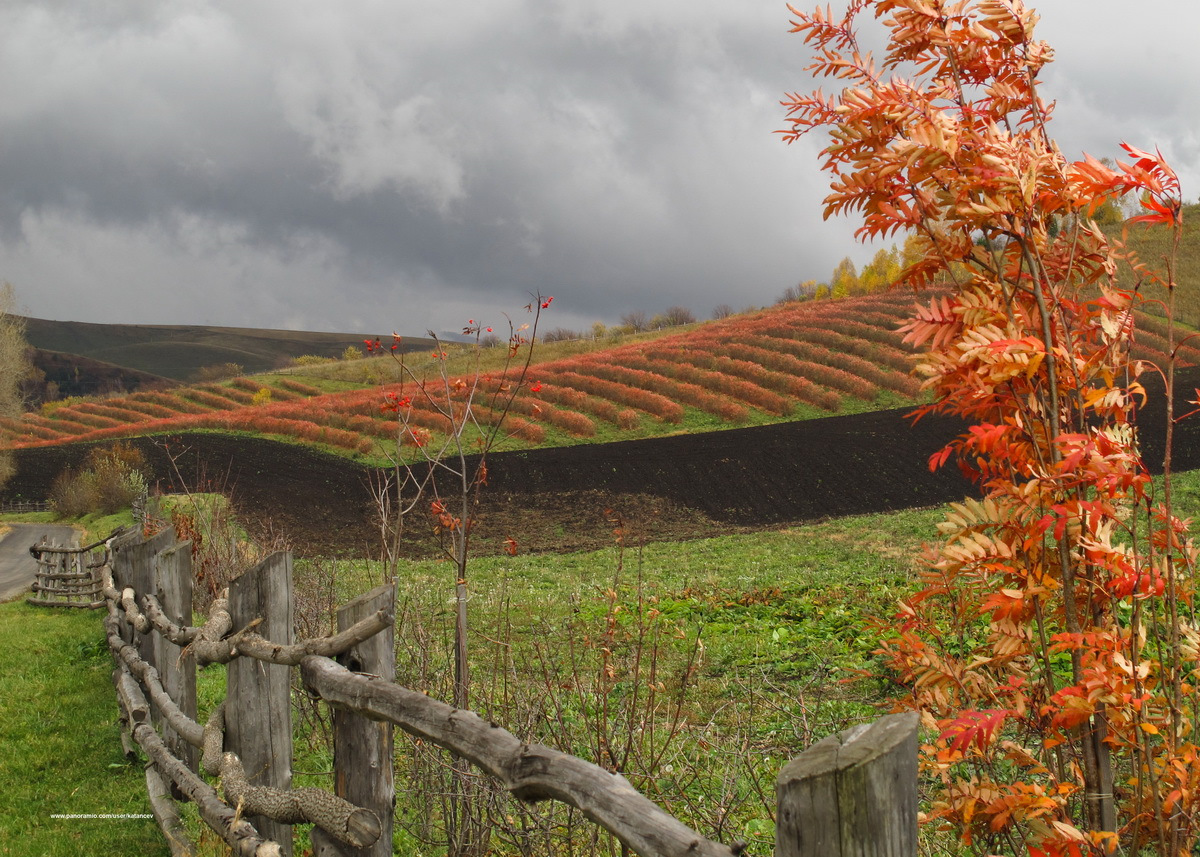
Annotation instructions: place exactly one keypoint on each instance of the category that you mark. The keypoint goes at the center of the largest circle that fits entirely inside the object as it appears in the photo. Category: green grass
(1153, 245)
(788, 621)
(61, 749)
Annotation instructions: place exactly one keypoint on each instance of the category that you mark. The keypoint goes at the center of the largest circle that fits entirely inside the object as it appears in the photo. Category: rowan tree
(1053, 650)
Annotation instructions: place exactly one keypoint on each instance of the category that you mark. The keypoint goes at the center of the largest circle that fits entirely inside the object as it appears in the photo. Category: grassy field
(698, 668)
(779, 616)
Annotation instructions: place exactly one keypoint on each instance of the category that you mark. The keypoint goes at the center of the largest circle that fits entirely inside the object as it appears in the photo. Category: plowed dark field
(684, 486)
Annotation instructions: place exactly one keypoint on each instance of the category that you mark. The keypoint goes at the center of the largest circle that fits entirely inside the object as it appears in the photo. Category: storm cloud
(369, 166)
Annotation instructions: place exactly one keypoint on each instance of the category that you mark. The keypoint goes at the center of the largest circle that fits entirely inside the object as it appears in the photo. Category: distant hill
(180, 351)
(57, 375)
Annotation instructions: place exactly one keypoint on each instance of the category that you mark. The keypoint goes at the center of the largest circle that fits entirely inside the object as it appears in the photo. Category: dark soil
(685, 486)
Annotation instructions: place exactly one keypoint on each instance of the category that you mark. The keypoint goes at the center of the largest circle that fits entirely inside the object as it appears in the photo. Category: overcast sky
(369, 166)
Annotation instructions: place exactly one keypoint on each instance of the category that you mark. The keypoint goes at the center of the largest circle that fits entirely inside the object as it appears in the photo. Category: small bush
(309, 360)
(218, 372)
(262, 397)
(49, 408)
(112, 477)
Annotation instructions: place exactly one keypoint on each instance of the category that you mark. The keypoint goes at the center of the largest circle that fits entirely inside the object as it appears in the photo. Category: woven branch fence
(67, 576)
(852, 793)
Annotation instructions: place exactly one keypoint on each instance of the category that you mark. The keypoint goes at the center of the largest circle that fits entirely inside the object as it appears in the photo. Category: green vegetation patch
(61, 750)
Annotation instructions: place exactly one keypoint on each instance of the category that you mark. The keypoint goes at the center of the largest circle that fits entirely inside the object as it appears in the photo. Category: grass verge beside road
(60, 751)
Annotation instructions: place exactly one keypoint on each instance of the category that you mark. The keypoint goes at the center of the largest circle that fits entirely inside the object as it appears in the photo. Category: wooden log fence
(24, 506)
(67, 576)
(851, 794)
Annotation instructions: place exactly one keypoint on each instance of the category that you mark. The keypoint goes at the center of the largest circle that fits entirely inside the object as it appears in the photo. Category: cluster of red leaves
(1051, 644)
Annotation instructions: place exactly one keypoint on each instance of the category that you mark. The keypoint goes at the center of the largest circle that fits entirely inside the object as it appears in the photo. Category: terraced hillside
(793, 361)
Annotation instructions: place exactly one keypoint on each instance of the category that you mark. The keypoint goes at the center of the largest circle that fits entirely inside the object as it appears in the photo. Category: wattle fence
(66, 576)
(852, 793)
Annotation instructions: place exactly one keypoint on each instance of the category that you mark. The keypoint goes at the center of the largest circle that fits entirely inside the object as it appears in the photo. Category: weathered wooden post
(133, 566)
(362, 748)
(853, 794)
(173, 589)
(258, 715)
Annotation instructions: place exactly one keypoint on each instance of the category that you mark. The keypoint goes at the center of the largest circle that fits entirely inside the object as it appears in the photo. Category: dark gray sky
(369, 166)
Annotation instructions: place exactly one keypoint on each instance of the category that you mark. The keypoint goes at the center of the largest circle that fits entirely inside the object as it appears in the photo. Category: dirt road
(16, 565)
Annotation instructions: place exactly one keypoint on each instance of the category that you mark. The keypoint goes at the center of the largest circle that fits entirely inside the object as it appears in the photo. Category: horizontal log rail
(212, 647)
(239, 834)
(532, 772)
(350, 824)
(147, 635)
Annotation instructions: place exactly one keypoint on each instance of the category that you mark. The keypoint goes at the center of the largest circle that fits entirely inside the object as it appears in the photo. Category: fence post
(173, 588)
(258, 716)
(133, 566)
(362, 748)
(853, 794)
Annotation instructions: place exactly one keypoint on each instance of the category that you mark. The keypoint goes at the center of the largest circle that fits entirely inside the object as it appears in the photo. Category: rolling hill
(790, 362)
(180, 351)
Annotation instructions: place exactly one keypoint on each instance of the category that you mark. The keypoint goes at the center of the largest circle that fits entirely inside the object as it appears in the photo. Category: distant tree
(722, 311)
(352, 352)
(844, 281)
(636, 320)
(881, 272)
(561, 334)
(789, 295)
(599, 329)
(14, 365)
(822, 292)
(676, 315)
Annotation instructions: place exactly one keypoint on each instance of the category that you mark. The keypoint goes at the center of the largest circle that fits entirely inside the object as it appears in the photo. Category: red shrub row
(781, 360)
(304, 430)
(622, 394)
(176, 404)
(578, 400)
(796, 386)
(679, 365)
(84, 418)
(839, 336)
(146, 409)
(543, 411)
(240, 397)
(244, 383)
(210, 401)
(297, 387)
(809, 352)
(636, 371)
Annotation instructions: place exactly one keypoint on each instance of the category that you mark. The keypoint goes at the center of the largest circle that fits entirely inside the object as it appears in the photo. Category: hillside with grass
(179, 352)
(794, 361)
(1151, 245)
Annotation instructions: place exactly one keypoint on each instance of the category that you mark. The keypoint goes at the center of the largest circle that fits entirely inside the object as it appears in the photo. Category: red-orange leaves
(933, 326)
(976, 729)
(1149, 176)
(1032, 342)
